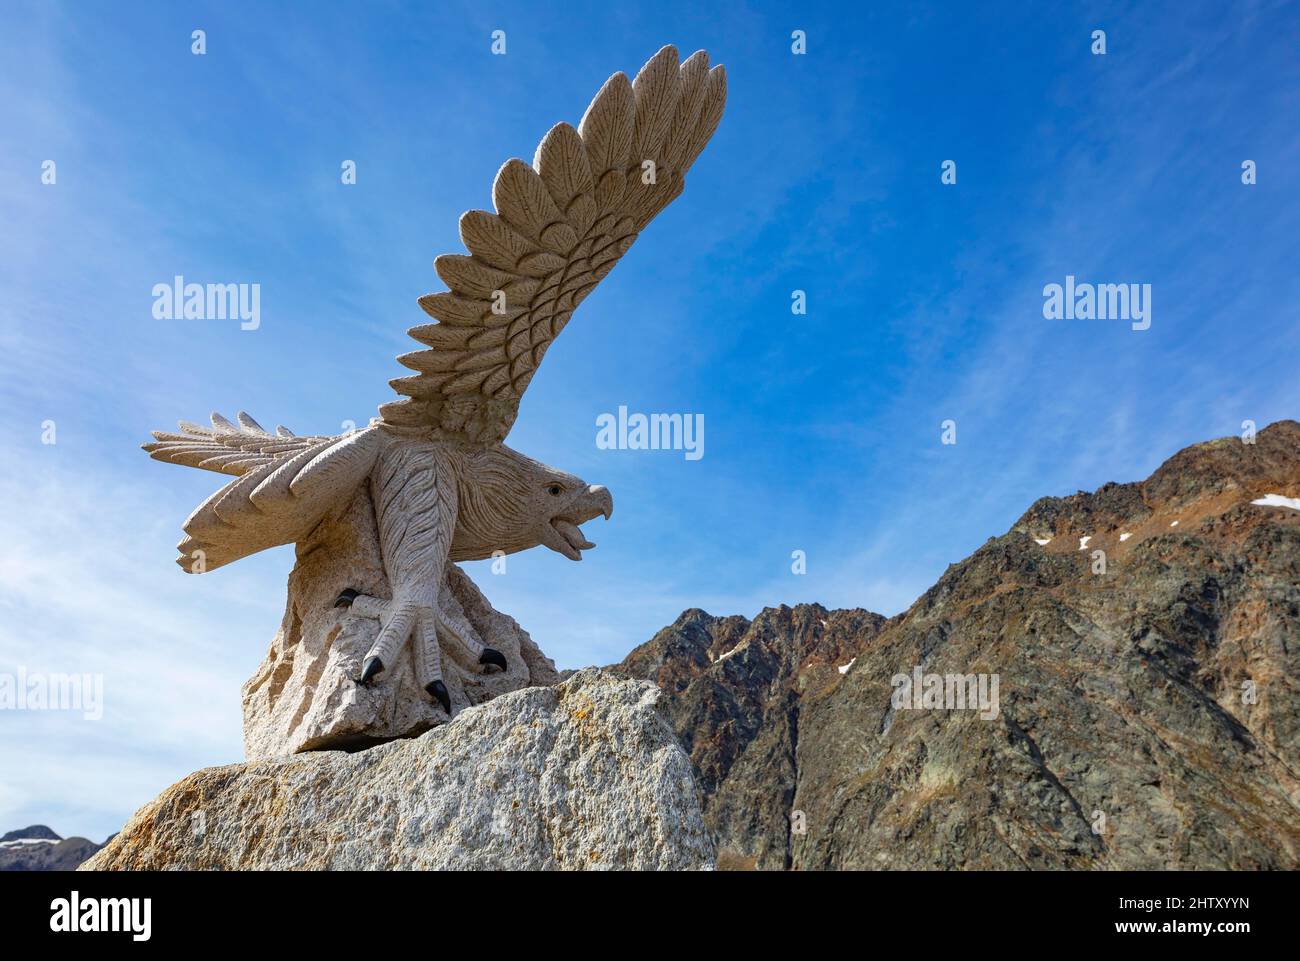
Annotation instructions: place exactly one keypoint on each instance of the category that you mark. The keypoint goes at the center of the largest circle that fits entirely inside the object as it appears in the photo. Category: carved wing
(284, 484)
(560, 227)
(228, 448)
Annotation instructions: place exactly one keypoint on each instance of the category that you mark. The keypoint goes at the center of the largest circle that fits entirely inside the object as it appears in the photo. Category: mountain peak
(34, 832)
(1139, 644)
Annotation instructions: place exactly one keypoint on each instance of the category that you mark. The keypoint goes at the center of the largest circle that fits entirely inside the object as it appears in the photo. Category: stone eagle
(444, 485)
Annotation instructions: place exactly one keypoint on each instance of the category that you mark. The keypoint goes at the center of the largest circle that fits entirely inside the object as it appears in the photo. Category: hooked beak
(562, 533)
(601, 499)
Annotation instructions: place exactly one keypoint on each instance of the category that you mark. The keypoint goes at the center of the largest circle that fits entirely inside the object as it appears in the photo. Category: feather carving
(559, 228)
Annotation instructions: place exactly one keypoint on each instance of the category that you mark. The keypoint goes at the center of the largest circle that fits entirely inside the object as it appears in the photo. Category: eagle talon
(369, 669)
(346, 598)
(438, 691)
(492, 656)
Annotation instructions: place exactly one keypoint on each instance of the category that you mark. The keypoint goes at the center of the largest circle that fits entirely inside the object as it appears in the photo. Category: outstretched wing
(284, 486)
(560, 227)
(228, 448)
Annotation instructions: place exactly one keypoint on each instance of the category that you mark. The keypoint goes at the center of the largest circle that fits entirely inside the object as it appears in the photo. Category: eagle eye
(554, 490)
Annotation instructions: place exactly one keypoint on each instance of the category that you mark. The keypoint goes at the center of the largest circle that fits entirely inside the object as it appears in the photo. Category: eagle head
(509, 503)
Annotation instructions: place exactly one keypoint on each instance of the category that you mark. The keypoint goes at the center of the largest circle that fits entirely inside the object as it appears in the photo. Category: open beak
(562, 533)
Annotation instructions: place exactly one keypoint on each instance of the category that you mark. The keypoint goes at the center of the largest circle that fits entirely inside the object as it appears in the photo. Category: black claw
(438, 690)
(369, 669)
(346, 598)
(490, 656)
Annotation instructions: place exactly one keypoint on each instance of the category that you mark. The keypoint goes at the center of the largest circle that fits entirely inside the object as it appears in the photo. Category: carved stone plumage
(443, 485)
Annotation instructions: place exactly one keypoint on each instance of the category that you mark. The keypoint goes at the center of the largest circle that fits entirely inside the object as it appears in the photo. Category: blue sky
(822, 430)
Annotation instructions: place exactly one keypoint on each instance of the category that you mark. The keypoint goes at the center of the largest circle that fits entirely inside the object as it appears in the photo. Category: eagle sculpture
(445, 487)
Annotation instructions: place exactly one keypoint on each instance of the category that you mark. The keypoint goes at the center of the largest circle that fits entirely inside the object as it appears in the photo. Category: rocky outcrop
(734, 689)
(304, 696)
(582, 775)
(1145, 639)
(37, 848)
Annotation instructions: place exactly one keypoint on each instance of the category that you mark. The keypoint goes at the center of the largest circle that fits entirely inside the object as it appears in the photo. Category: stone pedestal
(584, 775)
(304, 697)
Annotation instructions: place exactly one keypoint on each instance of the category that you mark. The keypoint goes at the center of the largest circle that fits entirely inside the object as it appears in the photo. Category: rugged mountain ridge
(733, 690)
(38, 848)
(1148, 716)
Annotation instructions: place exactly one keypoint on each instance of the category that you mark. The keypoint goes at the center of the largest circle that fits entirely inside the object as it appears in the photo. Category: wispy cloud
(86, 587)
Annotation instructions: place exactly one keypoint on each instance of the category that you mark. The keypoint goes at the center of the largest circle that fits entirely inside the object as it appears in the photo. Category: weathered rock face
(734, 689)
(304, 695)
(1148, 711)
(582, 775)
(1127, 734)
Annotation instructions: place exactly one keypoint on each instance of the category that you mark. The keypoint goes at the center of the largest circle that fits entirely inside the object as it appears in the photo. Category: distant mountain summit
(37, 848)
(1113, 683)
(37, 832)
